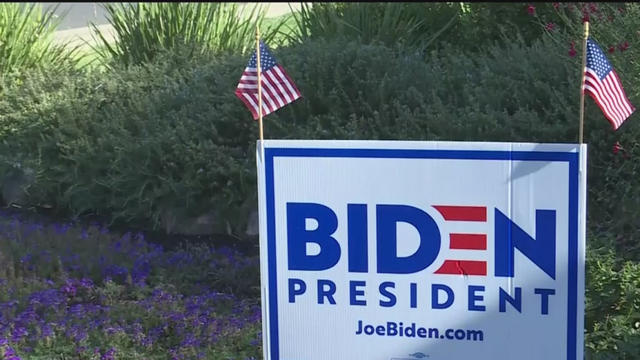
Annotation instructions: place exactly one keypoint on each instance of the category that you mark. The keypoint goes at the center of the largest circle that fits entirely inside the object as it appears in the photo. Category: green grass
(145, 30)
(286, 24)
(26, 39)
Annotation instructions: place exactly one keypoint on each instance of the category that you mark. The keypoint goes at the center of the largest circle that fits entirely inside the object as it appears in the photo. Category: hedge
(143, 144)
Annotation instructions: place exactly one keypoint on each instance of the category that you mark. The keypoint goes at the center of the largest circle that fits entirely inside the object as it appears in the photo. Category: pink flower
(572, 50)
(593, 7)
(556, 5)
(617, 147)
(624, 46)
(585, 17)
(612, 49)
(550, 26)
(531, 9)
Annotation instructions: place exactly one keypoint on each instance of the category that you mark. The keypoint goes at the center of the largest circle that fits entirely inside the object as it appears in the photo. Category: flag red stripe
(273, 88)
(614, 93)
(593, 86)
(613, 122)
(611, 88)
(603, 104)
(248, 104)
(278, 86)
(609, 95)
(618, 84)
(603, 94)
(293, 91)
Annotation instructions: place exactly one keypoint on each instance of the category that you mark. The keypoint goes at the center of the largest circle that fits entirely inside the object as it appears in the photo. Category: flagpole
(584, 65)
(259, 88)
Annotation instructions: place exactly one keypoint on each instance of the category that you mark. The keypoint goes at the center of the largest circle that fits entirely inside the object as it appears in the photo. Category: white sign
(393, 250)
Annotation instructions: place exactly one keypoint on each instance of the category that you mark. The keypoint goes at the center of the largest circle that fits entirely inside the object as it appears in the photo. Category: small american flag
(278, 89)
(603, 84)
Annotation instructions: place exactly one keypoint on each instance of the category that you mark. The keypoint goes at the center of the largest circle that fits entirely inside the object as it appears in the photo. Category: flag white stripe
(615, 84)
(603, 105)
(272, 92)
(602, 102)
(250, 99)
(606, 93)
(603, 94)
(267, 96)
(265, 108)
(276, 89)
(293, 93)
(617, 101)
(593, 87)
(279, 85)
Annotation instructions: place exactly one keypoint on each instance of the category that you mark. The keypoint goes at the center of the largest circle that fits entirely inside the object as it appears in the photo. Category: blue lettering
(392, 329)
(541, 250)
(296, 287)
(473, 298)
(298, 236)
(435, 304)
(354, 293)
(544, 299)
(358, 254)
(328, 293)
(389, 295)
(414, 295)
(516, 302)
(387, 217)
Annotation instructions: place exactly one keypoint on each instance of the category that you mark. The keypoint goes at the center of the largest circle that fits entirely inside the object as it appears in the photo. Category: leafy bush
(143, 30)
(143, 144)
(612, 308)
(26, 39)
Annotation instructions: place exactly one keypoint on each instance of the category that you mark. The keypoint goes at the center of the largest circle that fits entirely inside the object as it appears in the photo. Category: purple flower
(109, 355)
(86, 283)
(69, 288)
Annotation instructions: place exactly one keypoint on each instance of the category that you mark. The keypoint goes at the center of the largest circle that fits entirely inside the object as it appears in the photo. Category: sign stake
(584, 65)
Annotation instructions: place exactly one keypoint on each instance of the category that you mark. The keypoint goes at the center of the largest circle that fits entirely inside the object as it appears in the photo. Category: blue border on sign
(571, 157)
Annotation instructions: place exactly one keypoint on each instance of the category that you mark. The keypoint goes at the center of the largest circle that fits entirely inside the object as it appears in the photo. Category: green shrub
(142, 144)
(133, 145)
(144, 30)
(26, 39)
(612, 308)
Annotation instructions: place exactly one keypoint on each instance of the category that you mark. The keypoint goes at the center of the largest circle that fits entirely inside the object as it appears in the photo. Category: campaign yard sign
(394, 250)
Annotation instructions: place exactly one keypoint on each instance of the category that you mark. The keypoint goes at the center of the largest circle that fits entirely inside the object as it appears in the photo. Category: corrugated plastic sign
(394, 250)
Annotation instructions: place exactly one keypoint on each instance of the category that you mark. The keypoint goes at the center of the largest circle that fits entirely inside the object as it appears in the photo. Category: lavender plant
(73, 292)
